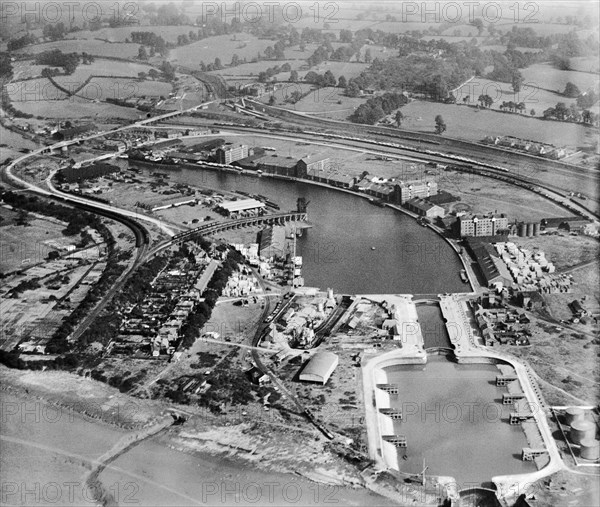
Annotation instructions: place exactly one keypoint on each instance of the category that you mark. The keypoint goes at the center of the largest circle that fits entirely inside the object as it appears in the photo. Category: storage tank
(573, 414)
(529, 229)
(536, 229)
(580, 430)
(590, 449)
(521, 229)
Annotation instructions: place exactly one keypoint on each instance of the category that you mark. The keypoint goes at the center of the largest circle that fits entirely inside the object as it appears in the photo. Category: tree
(571, 90)
(478, 23)
(235, 60)
(142, 53)
(218, 64)
(294, 76)
(272, 100)
(561, 111)
(368, 56)
(342, 83)
(532, 112)
(153, 73)
(352, 90)
(440, 124)
(142, 76)
(329, 79)
(517, 81)
(399, 118)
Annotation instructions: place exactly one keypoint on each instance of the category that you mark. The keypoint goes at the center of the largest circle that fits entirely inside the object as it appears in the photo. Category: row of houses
(532, 147)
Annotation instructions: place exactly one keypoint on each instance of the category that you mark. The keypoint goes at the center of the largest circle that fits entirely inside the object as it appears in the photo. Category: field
(34, 90)
(533, 97)
(115, 88)
(585, 64)
(473, 125)
(168, 33)
(77, 108)
(222, 46)
(546, 76)
(328, 103)
(25, 69)
(563, 250)
(92, 47)
(101, 67)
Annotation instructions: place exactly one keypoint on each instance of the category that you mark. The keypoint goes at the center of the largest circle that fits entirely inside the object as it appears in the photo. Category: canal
(353, 246)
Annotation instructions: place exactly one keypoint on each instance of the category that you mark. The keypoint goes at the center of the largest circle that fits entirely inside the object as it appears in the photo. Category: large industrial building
(407, 190)
(491, 266)
(424, 208)
(241, 207)
(314, 167)
(230, 154)
(320, 367)
(482, 225)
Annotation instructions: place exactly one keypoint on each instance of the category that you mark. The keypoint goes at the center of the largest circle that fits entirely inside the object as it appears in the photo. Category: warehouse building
(230, 154)
(407, 190)
(424, 208)
(482, 225)
(316, 167)
(320, 367)
(492, 268)
(243, 207)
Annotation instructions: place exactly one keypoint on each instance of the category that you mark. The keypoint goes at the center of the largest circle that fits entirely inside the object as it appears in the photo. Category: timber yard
(227, 287)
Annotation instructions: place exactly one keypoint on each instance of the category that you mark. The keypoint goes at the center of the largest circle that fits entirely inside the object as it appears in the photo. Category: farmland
(328, 103)
(222, 46)
(119, 34)
(473, 124)
(77, 108)
(118, 88)
(92, 47)
(34, 90)
(102, 67)
(533, 97)
(550, 78)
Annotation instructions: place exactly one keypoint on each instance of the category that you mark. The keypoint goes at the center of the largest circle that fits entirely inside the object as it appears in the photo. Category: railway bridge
(212, 228)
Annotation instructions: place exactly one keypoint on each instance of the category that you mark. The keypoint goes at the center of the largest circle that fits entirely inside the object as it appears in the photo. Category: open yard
(92, 47)
(563, 250)
(473, 125)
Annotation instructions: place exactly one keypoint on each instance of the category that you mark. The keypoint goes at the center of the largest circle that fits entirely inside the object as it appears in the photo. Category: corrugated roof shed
(320, 367)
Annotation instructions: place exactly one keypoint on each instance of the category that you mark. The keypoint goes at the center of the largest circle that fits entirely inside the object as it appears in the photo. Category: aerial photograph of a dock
(300, 253)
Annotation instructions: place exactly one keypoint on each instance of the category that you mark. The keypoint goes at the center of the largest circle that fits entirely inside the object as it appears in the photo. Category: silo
(590, 449)
(529, 229)
(536, 229)
(573, 414)
(521, 229)
(580, 430)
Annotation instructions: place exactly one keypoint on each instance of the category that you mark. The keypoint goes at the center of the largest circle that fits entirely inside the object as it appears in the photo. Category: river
(353, 246)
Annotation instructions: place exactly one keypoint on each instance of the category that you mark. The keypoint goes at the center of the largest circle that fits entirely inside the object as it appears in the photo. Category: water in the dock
(353, 246)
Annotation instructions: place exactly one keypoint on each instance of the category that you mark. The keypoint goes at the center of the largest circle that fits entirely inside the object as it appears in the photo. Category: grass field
(532, 97)
(77, 108)
(92, 47)
(11, 143)
(34, 90)
(102, 67)
(222, 46)
(327, 102)
(473, 125)
(585, 64)
(563, 250)
(546, 76)
(114, 88)
(168, 33)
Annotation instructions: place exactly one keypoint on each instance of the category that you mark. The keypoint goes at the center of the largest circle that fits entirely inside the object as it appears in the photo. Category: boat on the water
(463, 276)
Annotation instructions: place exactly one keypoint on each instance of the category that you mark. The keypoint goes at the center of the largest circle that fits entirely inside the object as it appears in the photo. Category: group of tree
(54, 32)
(155, 42)
(571, 113)
(21, 42)
(321, 80)
(377, 107)
(56, 58)
(485, 100)
(269, 73)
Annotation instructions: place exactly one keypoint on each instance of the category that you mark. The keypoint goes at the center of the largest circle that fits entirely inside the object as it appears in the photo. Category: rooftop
(241, 205)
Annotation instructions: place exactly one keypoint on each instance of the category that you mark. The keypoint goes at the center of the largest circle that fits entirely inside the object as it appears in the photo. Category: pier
(502, 380)
(510, 398)
(397, 440)
(392, 413)
(388, 388)
(519, 417)
(528, 454)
